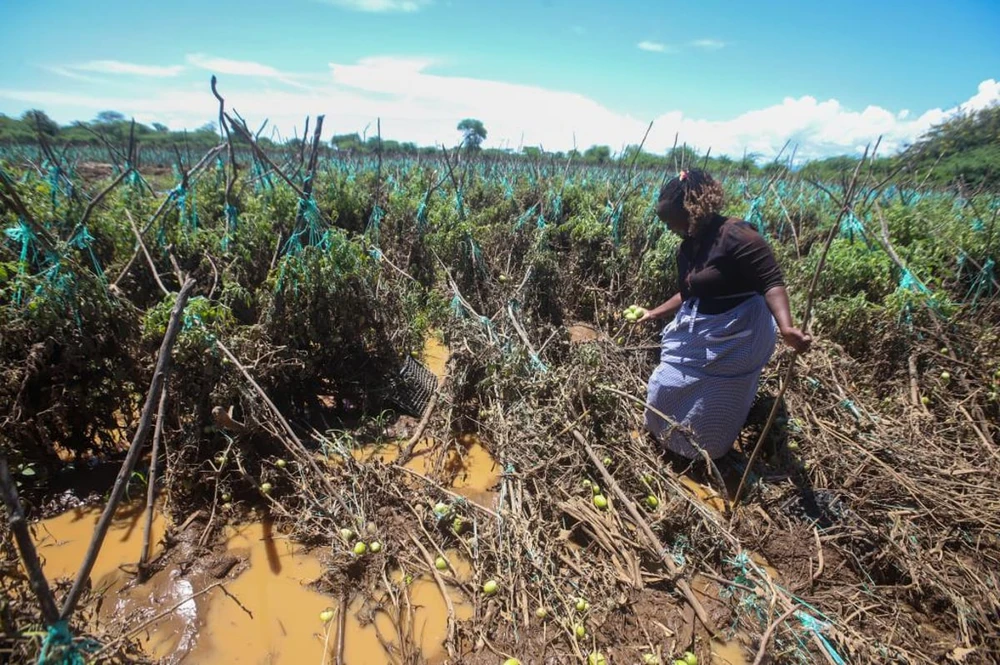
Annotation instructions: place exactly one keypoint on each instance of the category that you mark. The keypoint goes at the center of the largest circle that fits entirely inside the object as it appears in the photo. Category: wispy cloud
(247, 68)
(232, 67)
(708, 44)
(652, 47)
(70, 74)
(380, 6)
(130, 68)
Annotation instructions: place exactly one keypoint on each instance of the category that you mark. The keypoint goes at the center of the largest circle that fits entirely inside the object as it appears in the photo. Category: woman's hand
(796, 339)
(644, 315)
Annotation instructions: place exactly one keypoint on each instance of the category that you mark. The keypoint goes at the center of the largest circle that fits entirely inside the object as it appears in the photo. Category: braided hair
(694, 194)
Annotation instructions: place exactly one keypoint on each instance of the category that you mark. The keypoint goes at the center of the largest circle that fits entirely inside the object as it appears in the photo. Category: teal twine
(851, 225)
(540, 224)
(983, 282)
(814, 626)
(615, 216)
(422, 213)
(849, 405)
(310, 214)
(755, 216)
(459, 202)
(908, 282)
(374, 228)
(23, 234)
(53, 175)
(523, 219)
(58, 647)
(83, 241)
(230, 212)
(456, 308)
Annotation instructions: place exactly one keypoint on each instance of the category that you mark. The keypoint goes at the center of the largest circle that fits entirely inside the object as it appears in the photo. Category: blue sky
(732, 75)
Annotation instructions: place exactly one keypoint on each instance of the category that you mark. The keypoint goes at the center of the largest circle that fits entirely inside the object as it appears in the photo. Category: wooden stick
(341, 628)
(654, 542)
(407, 449)
(145, 252)
(450, 639)
(161, 413)
(845, 207)
(766, 638)
(29, 556)
(159, 376)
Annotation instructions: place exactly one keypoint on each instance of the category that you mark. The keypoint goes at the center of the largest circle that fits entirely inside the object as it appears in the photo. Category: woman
(731, 294)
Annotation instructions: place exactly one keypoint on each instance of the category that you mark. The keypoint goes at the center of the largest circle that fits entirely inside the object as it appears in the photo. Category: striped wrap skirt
(707, 377)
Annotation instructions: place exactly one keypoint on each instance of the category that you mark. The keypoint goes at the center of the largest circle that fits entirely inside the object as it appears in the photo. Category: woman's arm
(663, 311)
(777, 302)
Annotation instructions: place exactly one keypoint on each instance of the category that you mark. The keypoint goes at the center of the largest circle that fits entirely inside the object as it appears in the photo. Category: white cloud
(652, 47)
(415, 104)
(708, 44)
(232, 67)
(70, 74)
(380, 6)
(118, 67)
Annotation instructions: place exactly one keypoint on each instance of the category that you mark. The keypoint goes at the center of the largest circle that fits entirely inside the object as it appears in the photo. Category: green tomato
(440, 563)
(600, 501)
(596, 658)
(360, 548)
(491, 587)
(652, 502)
(690, 659)
(375, 547)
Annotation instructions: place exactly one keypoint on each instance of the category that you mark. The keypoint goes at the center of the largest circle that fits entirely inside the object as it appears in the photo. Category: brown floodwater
(267, 614)
(467, 465)
(63, 540)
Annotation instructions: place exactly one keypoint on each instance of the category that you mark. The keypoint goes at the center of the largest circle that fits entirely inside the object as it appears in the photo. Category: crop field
(215, 340)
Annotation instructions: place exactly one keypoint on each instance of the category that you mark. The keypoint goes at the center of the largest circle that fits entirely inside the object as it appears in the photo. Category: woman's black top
(727, 258)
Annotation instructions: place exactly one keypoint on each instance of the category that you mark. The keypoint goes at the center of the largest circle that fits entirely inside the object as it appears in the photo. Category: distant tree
(346, 142)
(597, 154)
(473, 133)
(39, 121)
(160, 128)
(109, 117)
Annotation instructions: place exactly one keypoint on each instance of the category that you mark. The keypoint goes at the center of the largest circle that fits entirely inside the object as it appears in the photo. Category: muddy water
(467, 464)
(63, 540)
(276, 619)
(286, 626)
